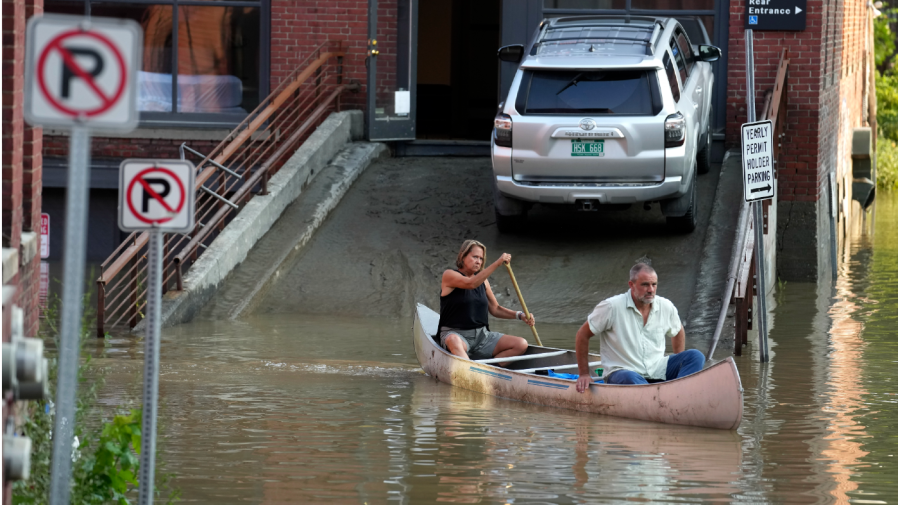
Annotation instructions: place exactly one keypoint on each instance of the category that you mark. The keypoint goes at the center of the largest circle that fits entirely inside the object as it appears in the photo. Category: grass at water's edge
(886, 164)
(105, 455)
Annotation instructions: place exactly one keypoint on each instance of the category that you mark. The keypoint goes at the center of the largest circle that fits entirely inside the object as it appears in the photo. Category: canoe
(711, 398)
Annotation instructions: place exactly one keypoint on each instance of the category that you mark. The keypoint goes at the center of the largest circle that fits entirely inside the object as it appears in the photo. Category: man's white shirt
(625, 343)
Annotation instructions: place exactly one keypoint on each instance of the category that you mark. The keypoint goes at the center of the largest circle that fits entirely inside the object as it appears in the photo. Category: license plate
(581, 147)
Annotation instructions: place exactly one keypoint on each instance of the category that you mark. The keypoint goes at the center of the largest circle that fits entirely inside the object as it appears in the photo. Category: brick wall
(297, 27)
(798, 175)
(827, 57)
(13, 124)
(120, 148)
(22, 159)
(21, 167)
(826, 101)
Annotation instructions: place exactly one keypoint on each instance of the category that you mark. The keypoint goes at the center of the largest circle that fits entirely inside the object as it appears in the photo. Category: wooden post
(101, 309)
(165, 245)
(132, 286)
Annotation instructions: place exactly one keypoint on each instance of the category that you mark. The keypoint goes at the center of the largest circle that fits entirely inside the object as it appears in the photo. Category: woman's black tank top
(465, 309)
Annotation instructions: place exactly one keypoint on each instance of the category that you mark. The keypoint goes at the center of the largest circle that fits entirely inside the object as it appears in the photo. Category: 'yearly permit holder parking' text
(580, 147)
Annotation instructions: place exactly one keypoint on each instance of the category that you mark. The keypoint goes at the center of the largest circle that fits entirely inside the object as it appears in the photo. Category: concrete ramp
(401, 225)
(282, 244)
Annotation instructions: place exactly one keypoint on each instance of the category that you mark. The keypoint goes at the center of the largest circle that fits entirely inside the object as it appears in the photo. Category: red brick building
(21, 190)
(830, 94)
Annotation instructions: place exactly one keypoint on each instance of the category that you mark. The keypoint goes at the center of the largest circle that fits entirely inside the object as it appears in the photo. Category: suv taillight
(503, 130)
(674, 130)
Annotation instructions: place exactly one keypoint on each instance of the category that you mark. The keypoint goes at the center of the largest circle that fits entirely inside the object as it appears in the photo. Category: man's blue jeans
(678, 365)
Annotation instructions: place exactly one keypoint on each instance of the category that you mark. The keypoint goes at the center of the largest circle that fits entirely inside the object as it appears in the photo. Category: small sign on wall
(45, 236)
(776, 15)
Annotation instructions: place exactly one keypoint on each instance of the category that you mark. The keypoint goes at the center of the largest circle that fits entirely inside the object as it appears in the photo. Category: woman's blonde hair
(466, 247)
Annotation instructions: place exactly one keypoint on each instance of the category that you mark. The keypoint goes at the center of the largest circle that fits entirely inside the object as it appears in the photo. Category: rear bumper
(548, 193)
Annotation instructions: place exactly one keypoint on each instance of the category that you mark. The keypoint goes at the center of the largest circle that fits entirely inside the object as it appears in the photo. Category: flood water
(322, 409)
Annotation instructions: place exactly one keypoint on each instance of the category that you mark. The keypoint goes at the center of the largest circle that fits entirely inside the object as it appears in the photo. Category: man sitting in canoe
(632, 328)
(466, 299)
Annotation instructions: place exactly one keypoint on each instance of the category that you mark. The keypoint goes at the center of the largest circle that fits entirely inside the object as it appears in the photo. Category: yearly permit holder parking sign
(157, 195)
(757, 161)
(82, 71)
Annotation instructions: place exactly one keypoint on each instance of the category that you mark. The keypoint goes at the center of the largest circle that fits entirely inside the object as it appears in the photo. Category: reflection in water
(313, 409)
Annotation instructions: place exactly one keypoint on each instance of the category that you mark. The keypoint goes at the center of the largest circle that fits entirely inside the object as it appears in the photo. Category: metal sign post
(761, 315)
(80, 74)
(151, 370)
(156, 196)
(70, 320)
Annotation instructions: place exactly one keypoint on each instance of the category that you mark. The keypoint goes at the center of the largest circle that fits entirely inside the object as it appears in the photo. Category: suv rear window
(576, 92)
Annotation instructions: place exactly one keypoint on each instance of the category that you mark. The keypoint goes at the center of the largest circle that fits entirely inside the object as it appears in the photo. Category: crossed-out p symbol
(156, 194)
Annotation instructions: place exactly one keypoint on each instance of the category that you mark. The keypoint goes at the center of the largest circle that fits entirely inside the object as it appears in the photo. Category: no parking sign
(156, 195)
(82, 71)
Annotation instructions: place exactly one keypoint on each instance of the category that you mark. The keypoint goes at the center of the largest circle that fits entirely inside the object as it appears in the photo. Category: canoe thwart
(559, 367)
(523, 357)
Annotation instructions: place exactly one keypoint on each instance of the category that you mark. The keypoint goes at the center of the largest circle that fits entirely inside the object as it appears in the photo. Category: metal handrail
(771, 109)
(226, 178)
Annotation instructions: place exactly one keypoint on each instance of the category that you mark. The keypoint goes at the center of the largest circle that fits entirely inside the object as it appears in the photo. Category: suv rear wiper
(573, 82)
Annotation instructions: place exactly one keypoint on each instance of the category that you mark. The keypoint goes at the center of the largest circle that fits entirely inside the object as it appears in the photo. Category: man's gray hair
(639, 268)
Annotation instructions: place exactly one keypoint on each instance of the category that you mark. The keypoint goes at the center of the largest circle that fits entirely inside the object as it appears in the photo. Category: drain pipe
(736, 257)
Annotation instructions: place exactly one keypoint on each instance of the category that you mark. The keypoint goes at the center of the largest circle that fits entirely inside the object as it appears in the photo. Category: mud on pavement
(400, 226)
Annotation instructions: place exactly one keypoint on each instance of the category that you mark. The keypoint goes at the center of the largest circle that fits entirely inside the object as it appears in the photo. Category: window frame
(523, 96)
(679, 61)
(670, 70)
(174, 119)
(688, 56)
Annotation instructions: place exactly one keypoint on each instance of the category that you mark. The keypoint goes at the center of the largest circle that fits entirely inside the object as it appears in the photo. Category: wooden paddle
(523, 305)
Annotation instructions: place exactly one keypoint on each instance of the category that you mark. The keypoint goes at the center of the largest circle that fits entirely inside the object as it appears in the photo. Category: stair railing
(235, 171)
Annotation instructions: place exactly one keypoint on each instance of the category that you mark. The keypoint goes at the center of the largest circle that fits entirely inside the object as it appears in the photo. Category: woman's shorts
(479, 342)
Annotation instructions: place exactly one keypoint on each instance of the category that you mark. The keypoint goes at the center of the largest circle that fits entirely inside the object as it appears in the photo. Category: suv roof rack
(656, 26)
(627, 18)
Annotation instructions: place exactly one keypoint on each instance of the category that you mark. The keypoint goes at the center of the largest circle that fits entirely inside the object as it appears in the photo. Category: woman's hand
(531, 321)
(504, 258)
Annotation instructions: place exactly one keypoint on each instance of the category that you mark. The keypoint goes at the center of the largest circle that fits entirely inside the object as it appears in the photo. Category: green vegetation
(105, 456)
(885, 29)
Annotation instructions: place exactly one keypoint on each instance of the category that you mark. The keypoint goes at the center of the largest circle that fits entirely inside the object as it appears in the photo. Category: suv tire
(510, 213)
(687, 222)
(703, 158)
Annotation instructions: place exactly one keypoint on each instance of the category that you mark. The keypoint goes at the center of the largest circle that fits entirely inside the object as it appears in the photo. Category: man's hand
(583, 383)
(531, 321)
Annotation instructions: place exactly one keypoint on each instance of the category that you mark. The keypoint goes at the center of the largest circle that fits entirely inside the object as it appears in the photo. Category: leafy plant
(887, 164)
(105, 454)
(108, 472)
(886, 53)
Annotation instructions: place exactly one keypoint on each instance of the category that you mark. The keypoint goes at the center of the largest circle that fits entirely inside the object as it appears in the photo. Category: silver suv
(603, 111)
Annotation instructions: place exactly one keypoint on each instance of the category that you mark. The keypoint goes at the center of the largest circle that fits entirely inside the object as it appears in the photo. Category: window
(686, 49)
(672, 77)
(630, 92)
(678, 59)
(204, 62)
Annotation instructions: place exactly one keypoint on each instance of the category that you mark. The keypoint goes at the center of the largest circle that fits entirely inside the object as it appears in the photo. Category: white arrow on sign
(797, 9)
(757, 161)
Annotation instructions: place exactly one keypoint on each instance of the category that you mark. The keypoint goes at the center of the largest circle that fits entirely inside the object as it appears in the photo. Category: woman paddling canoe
(466, 299)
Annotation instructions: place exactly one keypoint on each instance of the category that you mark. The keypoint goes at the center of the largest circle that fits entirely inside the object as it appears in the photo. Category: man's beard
(647, 299)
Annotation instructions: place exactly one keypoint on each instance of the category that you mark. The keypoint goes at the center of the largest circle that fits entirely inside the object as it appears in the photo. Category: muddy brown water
(312, 408)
